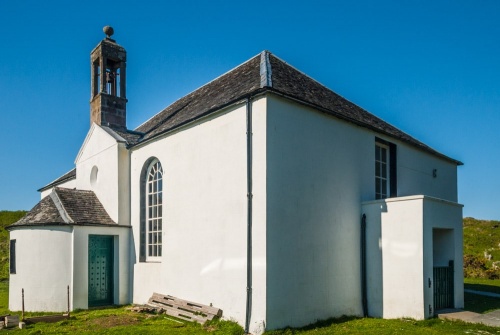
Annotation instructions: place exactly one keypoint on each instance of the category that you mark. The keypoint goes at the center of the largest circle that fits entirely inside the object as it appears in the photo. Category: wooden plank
(179, 311)
(171, 300)
(182, 314)
(11, 321)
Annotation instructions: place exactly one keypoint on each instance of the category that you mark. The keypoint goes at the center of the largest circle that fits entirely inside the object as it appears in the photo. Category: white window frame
(382, 171)
(154, 211)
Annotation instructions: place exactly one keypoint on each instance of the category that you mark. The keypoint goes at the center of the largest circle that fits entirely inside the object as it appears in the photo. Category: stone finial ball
(108, 30)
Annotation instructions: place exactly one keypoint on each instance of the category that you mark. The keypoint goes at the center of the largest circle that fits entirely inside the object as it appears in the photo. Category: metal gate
(100, 270)
(443, 287)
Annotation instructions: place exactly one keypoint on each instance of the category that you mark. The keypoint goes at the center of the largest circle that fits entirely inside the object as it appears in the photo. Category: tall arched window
(154, 211)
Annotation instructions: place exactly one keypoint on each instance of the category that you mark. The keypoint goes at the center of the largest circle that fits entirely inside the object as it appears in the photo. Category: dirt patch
(115, 320)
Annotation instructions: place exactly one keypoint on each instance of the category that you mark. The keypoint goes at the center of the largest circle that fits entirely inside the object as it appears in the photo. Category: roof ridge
(265, 70)
(60, 206)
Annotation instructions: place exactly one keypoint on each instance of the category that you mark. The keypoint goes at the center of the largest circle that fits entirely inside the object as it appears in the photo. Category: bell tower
(108, 101)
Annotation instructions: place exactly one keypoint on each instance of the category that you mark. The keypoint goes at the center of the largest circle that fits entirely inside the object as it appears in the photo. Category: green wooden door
(100, 270)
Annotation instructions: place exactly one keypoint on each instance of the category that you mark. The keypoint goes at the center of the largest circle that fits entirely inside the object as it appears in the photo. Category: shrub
(477, 267)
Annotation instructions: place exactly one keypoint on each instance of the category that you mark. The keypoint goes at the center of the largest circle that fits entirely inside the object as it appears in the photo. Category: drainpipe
(249, 217)
(363, 266)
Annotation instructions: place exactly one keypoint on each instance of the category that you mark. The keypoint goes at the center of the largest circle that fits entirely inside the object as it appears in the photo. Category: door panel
(100, 270)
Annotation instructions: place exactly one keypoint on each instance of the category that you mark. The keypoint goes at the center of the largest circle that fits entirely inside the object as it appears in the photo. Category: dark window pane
(12, 259)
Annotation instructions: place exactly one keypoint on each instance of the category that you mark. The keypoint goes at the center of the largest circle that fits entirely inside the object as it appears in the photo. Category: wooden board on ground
(183, 309)
(11, 321)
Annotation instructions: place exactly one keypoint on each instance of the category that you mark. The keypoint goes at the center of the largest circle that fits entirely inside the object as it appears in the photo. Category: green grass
(481, 304)
(481, 284)
(347, 325)
(119, 320)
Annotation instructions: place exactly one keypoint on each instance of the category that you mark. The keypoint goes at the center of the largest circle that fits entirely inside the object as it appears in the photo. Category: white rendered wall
(258, 320)
(318, 170)
(400, 254)
(43, 268)
(205, 214)
(121, 265)
(395, 245)
(112, 185)
(415, 174)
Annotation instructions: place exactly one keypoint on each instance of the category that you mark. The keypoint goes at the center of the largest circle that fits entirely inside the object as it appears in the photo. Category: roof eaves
(48, 224)
(202, 115)
(422, 146)
(70, 175)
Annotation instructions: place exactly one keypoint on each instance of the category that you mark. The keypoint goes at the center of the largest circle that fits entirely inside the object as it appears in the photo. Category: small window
(385, 169)
(381, 171)
(12, 260)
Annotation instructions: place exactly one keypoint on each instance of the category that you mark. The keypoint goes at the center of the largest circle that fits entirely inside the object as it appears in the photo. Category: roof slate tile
(80, 207)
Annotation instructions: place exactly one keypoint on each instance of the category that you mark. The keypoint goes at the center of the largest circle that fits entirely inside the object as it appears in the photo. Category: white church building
(263, 193)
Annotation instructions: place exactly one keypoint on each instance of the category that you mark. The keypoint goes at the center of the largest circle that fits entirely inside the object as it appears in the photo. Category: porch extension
(407, 238)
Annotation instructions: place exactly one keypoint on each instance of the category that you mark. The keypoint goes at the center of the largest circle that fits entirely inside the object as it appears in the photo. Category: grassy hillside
(481, 248)
(6, 218)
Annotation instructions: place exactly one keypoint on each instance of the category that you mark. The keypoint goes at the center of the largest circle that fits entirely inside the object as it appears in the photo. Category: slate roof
(131, 137)
(65, 177)
(262, 73)
(66, 206)
(266, 72)
(223, 91)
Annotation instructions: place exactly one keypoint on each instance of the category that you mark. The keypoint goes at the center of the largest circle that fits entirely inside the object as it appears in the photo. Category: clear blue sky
(431, 68)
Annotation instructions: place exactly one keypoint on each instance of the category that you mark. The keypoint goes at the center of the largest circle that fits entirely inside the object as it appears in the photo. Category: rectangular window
(385, 169)
(12, 260)
(381, 171)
